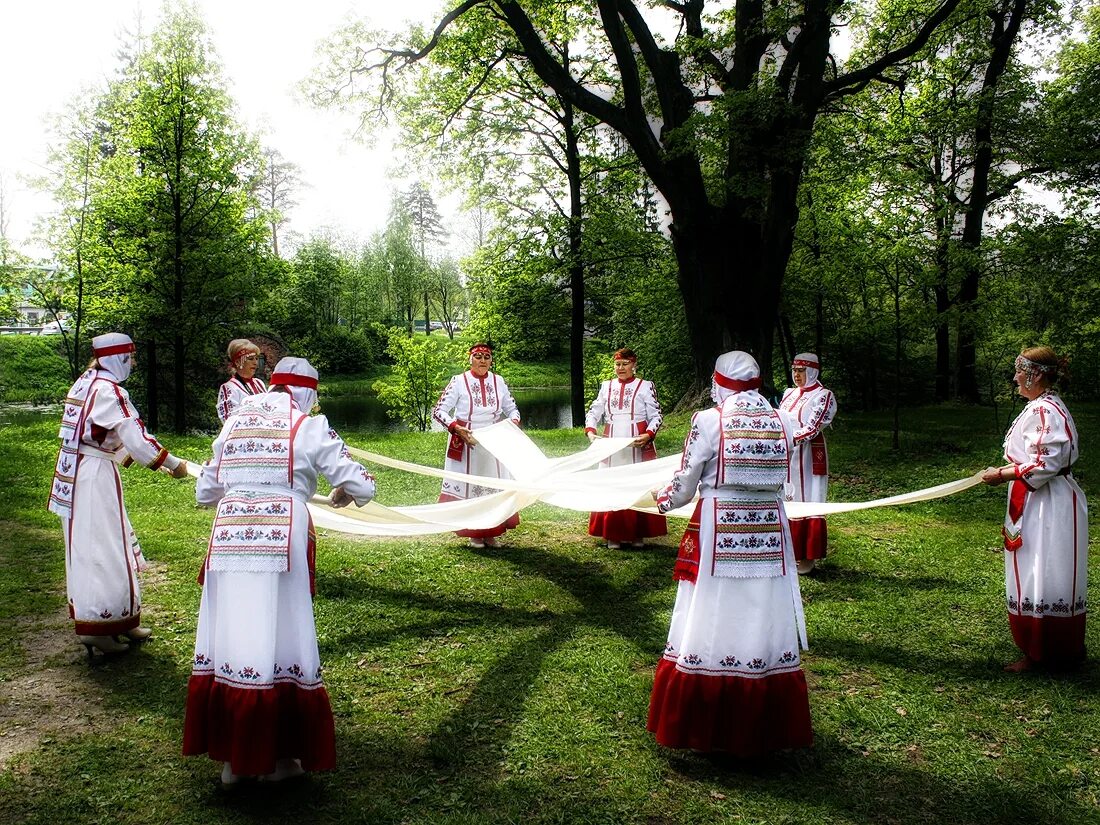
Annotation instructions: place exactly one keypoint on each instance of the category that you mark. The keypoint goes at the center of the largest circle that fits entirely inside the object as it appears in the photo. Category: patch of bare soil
(50, 696)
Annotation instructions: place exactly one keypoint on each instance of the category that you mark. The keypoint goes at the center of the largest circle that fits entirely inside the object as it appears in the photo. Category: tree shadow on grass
(834, 781)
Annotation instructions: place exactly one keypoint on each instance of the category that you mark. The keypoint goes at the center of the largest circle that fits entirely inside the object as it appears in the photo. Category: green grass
(511, 684)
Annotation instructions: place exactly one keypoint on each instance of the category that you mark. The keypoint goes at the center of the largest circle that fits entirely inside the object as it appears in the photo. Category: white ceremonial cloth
(564, 482)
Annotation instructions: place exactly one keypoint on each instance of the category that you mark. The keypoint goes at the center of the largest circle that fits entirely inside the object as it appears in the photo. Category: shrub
(33, 369)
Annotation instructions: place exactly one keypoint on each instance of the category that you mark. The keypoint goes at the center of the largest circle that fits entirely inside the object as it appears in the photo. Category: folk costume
(473, 402)
(237, 388)
(255, 699)
(100, 429)
(813, 408)
(730, 679)
(1046, 535)
(628, 409)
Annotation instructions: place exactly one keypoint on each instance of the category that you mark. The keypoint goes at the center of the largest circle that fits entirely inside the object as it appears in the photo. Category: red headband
(115, 349)
(481, 349)
(801, 362)
(291, 379)
(734, 384)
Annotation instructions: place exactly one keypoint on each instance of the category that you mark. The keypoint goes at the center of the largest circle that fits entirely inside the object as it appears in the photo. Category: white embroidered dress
(731, 679)
(813, 409)
(234, 391)
(256, 693)
(626, 409)
(101, 429)
(474, 402)
(1046, 535)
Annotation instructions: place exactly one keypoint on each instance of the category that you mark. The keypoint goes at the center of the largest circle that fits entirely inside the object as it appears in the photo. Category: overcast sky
(50, 50)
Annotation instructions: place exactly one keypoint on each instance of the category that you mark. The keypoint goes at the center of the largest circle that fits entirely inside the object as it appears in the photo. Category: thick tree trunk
(1006, 28)
(151, 414)
(576, 268)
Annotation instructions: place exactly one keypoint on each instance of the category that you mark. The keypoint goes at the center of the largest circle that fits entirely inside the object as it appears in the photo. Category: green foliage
(158, 179)
(515, 306)
(340, 351)
(422, 366)
(32, 369)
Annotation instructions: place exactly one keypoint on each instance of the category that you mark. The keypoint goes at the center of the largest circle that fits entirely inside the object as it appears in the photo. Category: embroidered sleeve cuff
(590, 430)
(162, 456)
(451, 426)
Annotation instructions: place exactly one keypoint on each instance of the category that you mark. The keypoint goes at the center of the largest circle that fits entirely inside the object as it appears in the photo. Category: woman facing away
(472, 400)
(731, 679)
(1045, 530)
(255, 700)
(629, 408)
(100, 429)
(244, 360)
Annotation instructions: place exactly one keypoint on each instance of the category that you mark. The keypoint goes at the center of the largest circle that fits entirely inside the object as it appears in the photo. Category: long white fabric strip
(565, 482)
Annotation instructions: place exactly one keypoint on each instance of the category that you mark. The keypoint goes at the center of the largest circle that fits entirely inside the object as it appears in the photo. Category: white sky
(51, 50)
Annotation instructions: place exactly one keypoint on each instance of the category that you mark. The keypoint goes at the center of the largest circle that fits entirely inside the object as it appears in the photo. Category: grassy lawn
(511, 684)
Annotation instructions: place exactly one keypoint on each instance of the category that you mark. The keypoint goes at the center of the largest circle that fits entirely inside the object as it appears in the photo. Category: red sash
(1017, 495)
(649, 452)
(687, 559)
(818, 456)
(456, 447)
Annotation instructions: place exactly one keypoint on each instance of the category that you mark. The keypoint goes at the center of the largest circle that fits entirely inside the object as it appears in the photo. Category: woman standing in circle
(472, 400)
(244, 359)
(629, 407)
(731, 678)
(1046, 525)
(101, 428)
(813, 408)
(256, 700)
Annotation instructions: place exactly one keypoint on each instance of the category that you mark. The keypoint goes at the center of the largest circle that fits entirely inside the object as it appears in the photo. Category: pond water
(545, 409)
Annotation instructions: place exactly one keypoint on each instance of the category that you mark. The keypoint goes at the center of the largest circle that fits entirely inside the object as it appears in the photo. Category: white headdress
(299, 376)
(734, 372)
(812, 365)
(113, 350)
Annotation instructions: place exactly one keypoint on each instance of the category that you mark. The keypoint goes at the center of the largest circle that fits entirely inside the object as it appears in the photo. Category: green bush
(33, 369)
(340, 351)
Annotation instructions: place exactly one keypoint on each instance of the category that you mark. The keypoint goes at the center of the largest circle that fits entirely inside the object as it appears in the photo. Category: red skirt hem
(252, 729)
(810, 537)
(626, 526)
(84, 628)
(1056, 641)
(729, 714)
(492, 532)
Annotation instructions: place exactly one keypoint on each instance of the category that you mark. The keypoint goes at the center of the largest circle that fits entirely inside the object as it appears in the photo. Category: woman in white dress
(472, 400)
(813, 407)
(731, 679)
(255, 699)
(244, 359)
(1046, 534)
(628, 407)
(100, 429)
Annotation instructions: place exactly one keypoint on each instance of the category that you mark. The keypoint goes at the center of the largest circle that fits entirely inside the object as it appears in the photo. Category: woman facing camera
(628, 407)
(244, 359)
(1046, 533)
(475, 399)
